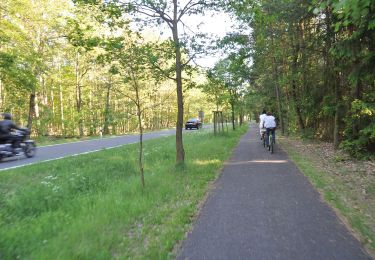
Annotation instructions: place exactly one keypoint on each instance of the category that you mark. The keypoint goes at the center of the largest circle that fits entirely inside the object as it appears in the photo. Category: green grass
(49, 140)
(53, 139)
(93, 207)
(334, 192)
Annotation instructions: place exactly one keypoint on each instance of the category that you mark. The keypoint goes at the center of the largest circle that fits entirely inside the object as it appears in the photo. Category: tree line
(68, 70)
(312, 62)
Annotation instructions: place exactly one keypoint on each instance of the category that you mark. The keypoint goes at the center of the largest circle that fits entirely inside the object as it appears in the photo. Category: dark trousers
(268, 131)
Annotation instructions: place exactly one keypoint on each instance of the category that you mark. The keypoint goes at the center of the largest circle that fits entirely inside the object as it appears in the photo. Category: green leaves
(355, 13)
(16, 72)
(362, 109)
(371, 24)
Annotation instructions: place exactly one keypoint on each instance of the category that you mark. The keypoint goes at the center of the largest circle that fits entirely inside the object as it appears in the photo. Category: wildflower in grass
(50, 177)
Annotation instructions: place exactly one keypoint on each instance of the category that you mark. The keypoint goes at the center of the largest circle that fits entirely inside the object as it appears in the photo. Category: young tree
(132, 62)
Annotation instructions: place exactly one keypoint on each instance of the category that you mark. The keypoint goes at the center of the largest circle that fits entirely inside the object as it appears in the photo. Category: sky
(217, 25)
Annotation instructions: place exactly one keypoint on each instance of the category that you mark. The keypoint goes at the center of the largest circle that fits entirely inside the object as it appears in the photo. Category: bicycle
(263, 131)
(271, 141)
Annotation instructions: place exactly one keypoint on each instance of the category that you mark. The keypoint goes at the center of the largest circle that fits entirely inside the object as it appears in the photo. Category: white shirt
(261, 120)
(269, 121)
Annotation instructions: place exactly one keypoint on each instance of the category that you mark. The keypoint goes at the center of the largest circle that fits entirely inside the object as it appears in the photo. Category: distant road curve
(58, 151)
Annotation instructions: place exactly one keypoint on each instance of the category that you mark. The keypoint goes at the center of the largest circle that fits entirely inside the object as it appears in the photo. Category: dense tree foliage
(313, 64)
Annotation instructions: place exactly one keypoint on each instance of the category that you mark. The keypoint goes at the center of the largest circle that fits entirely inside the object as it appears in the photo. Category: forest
(74, 68)
(313, 63)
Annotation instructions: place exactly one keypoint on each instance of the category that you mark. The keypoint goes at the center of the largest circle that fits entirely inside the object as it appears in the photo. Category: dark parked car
(193, 123)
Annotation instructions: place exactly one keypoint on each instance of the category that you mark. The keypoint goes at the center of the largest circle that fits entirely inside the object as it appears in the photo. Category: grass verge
(92, 206)
(341, 188)
(51, 140)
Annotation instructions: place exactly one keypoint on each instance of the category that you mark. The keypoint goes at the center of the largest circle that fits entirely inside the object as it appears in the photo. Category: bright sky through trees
(215, 24)
(218, 25)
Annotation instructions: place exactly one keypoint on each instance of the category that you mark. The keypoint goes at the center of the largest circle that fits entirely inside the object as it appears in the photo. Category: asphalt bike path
(58, 151)
(262, 207)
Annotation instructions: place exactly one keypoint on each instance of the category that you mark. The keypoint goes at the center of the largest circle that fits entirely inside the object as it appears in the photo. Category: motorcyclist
(6, 127)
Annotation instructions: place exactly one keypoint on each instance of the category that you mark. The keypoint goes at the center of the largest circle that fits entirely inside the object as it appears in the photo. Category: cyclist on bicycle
(261, 121)
(270, 125)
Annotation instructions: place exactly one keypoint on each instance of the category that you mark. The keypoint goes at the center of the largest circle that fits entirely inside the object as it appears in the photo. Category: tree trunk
(241, 112)
(160, 117)
(303, 56)
(78, 96)
(357, 95)
(233, 123)
(180, 152)
(336, 128)
(215, 122)
(338, 101)
(92, 118)
(106, 112)
(329, 74)
(52, 123)
(294, 90)
(287, 97)
(61, 111)
(1, 95)
(31, 110)
(277, 87)
(139, 116)
(187, 112)
(278, 99)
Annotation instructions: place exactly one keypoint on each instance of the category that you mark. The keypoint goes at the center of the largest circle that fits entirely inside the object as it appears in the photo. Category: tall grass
(93, 207)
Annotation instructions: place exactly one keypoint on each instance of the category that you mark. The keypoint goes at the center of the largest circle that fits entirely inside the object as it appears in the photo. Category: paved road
(262, 207)
(46, 153)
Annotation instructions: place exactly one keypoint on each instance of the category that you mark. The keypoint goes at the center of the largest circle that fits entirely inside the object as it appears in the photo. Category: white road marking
(71, 155)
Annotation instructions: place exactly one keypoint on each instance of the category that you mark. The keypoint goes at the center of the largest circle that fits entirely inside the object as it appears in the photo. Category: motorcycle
(27, 146)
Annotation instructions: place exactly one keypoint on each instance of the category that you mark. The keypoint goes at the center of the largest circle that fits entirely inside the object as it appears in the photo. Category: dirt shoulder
(346, 184)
